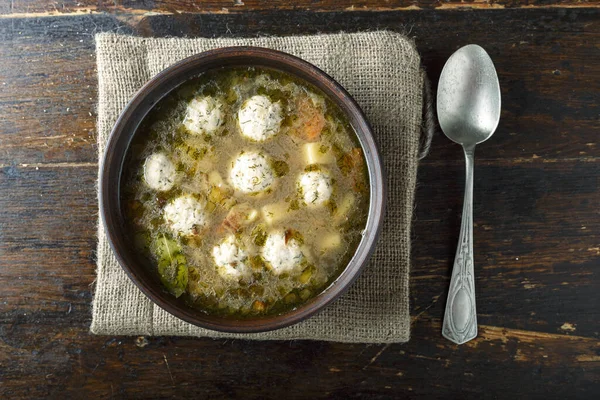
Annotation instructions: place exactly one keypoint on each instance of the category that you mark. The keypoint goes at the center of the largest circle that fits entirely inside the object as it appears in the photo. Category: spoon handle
(460, 318)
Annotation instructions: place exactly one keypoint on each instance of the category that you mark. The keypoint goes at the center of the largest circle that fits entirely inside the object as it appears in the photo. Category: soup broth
(247, 191)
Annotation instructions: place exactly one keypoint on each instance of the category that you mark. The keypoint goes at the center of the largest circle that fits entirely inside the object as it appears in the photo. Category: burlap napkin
(382, 71)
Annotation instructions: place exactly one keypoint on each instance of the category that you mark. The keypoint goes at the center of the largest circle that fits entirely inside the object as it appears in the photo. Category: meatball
(159, 172)
(283, 255)
(251, 173)
(231, 259)
(204, 115)
(185, 215)
(259, 119)
(315, 187)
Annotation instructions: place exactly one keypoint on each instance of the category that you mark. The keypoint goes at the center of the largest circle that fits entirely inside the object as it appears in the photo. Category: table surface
(537, 204)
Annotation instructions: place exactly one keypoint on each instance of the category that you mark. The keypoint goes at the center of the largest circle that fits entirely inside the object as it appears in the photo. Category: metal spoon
(468, 106)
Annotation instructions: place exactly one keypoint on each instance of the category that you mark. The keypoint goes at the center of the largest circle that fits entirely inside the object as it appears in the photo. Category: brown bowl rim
(137, 109)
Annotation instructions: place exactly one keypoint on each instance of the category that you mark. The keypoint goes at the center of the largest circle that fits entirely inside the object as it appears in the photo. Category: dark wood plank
(517, 364)
(53, 7)
(48, 88)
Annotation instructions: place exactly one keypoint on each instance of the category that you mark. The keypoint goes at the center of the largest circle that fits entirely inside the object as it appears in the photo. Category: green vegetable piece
(305, 294)
(210, 90)
(294, 205)
(244, 310)
(305, 277)
(331, 206)
(280, 167)
(290, 298)
(217, 195)
(231, 97)
(156, 222)
(259, 236)
(257, 290)
(257, 263)
(172, 265)
(312, 167)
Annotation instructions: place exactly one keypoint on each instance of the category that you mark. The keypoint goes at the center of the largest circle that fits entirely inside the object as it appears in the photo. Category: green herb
(210, 90)
(262, 91)
(280, 167)
(257, 264)
(294, 205)
(180, 167)
(198, 154)
(156, 222)
(331, 206)
(232, 97)
(259, 236)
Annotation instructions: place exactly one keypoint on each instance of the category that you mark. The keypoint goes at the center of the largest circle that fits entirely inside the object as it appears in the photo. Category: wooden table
(537, 204)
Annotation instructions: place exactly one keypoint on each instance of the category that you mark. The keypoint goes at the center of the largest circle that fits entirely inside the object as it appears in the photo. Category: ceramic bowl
(124, 130)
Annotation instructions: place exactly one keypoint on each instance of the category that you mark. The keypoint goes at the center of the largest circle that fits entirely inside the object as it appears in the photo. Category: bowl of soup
(242, 190)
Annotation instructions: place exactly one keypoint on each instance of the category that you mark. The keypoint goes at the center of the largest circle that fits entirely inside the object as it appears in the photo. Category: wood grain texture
(537, 250)
(57, 7)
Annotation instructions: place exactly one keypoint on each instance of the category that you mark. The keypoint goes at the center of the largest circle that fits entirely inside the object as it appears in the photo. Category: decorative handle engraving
(460, 317)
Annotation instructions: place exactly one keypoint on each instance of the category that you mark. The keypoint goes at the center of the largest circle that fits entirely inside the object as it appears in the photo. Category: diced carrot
(311, 120)
(313, 127)
(258, 306)
(351, 161)
(352, 164)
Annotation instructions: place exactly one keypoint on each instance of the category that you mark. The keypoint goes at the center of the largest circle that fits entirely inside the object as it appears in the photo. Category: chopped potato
(343, 210)
(330, 241)
(207, 163)
(305, 277)
(215, 179)
(276, 212)
(318, 153)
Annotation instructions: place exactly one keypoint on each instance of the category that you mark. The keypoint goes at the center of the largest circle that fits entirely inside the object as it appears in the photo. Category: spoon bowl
(468, 105)
(468, 100)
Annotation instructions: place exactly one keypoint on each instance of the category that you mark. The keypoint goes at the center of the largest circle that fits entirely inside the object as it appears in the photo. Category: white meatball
(315, 187)
(204, 115)
(282, 256)
(231, 260)
(259, 119)
(251, 173)
(185, 215)
(159, 172)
